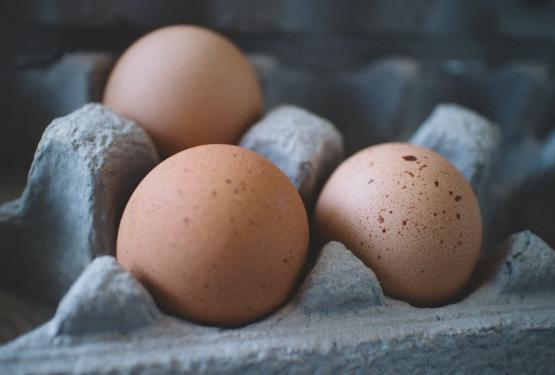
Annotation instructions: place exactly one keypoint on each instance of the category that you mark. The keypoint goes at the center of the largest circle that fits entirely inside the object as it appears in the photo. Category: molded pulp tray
(85, 168)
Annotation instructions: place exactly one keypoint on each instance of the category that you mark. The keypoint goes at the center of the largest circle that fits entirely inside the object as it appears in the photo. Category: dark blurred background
(374, 68)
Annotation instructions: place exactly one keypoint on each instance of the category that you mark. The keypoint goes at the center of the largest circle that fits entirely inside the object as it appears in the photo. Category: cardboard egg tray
(66, 306)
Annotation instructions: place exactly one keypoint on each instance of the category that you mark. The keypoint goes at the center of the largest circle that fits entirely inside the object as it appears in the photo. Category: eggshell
(408, 214)
(186, 86)
(216, 233)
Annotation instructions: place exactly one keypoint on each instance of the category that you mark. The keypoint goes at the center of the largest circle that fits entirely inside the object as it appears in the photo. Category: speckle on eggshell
(414, 238)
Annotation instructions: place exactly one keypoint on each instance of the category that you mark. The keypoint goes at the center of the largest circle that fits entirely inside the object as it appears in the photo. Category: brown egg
(186, 86)
(408, 214)
(216, 233)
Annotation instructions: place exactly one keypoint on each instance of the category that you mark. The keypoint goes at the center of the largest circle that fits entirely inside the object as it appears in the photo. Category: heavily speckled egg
(216, 233)
(409, 215)
(186, 86)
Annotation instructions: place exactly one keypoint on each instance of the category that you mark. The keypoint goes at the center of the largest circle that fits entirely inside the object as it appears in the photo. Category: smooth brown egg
(409, 215)
(216, 233)
(186, 86)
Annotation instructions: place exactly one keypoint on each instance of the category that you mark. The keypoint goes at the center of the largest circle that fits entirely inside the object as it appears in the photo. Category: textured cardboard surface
(85, 168)
(338, 320)
(307, 148)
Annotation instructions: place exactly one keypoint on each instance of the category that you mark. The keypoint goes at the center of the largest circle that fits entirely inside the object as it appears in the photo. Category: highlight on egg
(217, 234)
(409, 215)
(186, 86)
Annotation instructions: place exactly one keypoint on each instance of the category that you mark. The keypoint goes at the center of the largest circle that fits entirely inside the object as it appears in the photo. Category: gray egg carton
(68, 307)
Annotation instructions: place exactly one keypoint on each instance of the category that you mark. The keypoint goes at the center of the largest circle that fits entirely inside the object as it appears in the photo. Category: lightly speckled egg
(217, 234)
(186, 86)
(409, 215)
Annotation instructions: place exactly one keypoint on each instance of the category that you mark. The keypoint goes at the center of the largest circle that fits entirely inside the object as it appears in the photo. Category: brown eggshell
(216, 233)
(408, 214)
(186, 86)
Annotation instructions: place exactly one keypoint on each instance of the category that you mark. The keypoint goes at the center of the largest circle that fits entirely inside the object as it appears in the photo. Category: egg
(409, 215)
(217, 234)
(186, 86)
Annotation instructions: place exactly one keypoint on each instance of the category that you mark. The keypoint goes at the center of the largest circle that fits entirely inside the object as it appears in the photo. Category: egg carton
(375, 100)
(68, 307)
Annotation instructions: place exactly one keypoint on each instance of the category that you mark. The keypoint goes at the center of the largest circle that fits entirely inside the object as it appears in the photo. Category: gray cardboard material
(85, 168)
(492, 331)
(307, 148)
(337, 321)
(469, 141)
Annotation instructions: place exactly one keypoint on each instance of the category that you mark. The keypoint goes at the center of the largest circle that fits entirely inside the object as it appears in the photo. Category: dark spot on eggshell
(384, 230)
(409, 158)
(458, 216)
(370, 181)
(457, 198)
(380, 219)
(254, 223)
(409, 173)
(436, 183)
